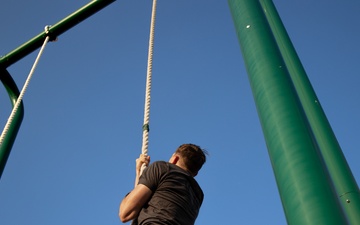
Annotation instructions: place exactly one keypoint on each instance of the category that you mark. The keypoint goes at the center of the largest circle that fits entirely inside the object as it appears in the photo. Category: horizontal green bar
(54, 31)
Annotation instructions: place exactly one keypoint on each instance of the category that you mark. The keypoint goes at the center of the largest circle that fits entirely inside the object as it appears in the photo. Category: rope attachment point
(22, 93)
(48, 33)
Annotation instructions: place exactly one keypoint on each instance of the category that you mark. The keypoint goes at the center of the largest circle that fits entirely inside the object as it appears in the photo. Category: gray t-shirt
(176, 198)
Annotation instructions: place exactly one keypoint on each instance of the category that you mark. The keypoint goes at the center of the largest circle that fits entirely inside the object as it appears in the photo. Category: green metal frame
(54, 31)
(27, 48)
(9, 139)
(315, 183)
(343, 180)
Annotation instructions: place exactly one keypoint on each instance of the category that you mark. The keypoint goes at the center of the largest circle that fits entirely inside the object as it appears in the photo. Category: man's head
(190, 156)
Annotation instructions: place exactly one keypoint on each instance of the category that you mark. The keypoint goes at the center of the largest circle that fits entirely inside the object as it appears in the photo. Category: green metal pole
(9, 139)
(25, 49)
(303, 181)
(345, 184)
(54, 31)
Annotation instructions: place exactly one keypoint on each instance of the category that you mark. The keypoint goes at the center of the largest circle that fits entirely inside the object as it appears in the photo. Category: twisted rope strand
(22, 93)
(145, 142)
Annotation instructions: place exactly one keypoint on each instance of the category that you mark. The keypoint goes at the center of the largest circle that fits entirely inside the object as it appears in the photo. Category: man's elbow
(125, 217)
(121, 217)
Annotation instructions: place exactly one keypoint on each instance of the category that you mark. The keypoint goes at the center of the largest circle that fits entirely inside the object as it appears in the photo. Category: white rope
(145, 142)
(21, 96)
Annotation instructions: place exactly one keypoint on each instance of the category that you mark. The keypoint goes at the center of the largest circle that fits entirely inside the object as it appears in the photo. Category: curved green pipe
(27, 48)
(9, 139)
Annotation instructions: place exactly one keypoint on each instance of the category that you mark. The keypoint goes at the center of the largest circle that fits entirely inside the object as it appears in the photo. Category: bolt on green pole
(9, 139)
(305, 188)
(344, 182)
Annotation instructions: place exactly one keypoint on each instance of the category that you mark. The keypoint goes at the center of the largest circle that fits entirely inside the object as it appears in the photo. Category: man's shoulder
(158, 166)
(167, 167)
(153, 174)
(160, 163)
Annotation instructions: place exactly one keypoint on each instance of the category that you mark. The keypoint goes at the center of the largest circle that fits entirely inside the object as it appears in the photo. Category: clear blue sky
(73, 159)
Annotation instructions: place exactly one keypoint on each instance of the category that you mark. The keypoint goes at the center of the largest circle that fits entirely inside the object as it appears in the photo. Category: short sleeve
(153, 175)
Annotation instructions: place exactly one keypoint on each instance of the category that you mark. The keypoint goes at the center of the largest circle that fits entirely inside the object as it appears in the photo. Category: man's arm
(133, 202)
(138, 197)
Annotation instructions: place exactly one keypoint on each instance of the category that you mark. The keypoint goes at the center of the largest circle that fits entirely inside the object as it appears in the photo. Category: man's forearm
(137, 177)
(124, 213)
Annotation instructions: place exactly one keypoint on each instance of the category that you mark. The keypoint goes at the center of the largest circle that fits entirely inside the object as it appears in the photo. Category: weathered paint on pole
(303, 181)
(344, 182)
(9, 139)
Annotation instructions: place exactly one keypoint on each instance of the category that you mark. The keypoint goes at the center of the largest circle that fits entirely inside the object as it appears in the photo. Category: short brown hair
(193, 156)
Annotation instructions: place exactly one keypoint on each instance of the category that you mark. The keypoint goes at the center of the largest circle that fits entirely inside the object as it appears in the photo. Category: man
(166, 192)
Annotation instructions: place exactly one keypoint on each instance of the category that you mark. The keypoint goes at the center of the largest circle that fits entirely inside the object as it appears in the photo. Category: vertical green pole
(303, 181)
(345, 184)
(9, 139)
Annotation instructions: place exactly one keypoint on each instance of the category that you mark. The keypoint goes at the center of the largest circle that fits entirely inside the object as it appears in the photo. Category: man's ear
(174, 159)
